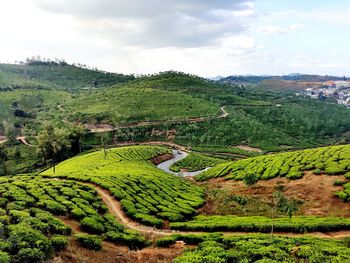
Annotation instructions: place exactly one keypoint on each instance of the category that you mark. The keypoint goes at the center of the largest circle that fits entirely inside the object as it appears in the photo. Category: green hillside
(263, 119)
(10, 81)
(146, 193)
(333, 160)
(62, 75)
(131, 104)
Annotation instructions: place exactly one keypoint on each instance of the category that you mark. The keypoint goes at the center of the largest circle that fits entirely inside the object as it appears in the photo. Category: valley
(168, 167)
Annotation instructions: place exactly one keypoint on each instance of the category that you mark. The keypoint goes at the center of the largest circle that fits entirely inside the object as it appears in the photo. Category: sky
(204, 37)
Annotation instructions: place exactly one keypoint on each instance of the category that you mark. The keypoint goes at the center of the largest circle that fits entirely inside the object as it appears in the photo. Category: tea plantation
(261, 248)
(299, 224)
(29, 230)
(333, 160)
(146, 193)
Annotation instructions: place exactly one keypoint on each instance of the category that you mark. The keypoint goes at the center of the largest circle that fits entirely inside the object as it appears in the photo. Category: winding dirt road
(106, 127)
(115, 209)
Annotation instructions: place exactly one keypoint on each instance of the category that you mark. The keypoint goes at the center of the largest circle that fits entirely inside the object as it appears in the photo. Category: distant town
(339, 90)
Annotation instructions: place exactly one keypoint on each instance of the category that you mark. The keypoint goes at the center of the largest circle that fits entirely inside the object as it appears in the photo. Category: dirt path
(115, 209)
(23, 140)
(156, 143)
(60, 107)
(106, 127)
(3, 139)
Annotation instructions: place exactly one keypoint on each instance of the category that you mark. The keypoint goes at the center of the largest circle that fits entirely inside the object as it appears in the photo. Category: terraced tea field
(30, 231)
(146, 193)
(333, 160)
(83, 189)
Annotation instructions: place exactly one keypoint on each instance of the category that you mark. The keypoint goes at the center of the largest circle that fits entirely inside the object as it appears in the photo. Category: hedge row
(299, 224)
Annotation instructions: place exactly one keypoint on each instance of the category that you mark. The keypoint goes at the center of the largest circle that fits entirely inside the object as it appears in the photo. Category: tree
(76, 133)
(250, 179)
(3, 159)
(282, 204)
(105, 139)
(10, 132)
(51, 144)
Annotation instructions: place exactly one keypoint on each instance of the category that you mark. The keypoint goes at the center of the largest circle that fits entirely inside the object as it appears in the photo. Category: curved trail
(114, 208)
(106, 128)
(177, 156)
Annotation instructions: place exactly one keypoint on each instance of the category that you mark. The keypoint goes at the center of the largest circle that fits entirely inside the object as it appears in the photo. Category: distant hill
(290, 77)
(256, 116)
(39, 74)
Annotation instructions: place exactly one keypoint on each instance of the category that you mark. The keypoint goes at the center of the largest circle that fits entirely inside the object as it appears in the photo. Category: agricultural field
(146, 194)
(122, 104)
(31, 231)
(299, 224)
(333, 160)
(195, 162)
(261, 248)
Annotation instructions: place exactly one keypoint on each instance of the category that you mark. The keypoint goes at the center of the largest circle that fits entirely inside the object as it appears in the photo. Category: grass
(146, 193)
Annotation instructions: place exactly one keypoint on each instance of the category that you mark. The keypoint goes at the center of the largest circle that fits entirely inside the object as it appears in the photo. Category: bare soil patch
(248, 148)
(162, 158)
(116, 254)
(316, 191)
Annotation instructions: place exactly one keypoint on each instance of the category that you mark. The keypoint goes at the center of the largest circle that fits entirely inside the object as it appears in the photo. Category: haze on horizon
(203, 37)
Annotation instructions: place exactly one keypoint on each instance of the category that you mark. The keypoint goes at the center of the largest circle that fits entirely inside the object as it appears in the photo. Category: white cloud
(156, 23)
(276, 30)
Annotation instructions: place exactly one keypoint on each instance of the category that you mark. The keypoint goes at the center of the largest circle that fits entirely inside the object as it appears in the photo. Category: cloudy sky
(204, 37)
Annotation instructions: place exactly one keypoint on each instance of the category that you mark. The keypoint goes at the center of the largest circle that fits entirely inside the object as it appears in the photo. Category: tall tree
(52, 144)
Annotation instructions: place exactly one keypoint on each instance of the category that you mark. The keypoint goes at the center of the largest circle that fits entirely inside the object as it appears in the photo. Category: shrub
(77, 213)
(30, 255)
(294, 175)
(250, 179)
(317, 171)
(89, 224)
(166, 241)
(4, 257)
(334, 169)
(59, 242)
(89, 241)
(339, 183)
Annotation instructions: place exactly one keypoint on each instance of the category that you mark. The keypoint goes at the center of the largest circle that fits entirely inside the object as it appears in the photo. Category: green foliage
(59, 242)
(89, 241)
(4, 257)
(91, 225)
(194, 162)
(166, 241)
(250, 179)
(261, 248)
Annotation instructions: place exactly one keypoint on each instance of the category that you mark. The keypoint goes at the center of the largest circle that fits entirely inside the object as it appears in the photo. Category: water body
(177, 156)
